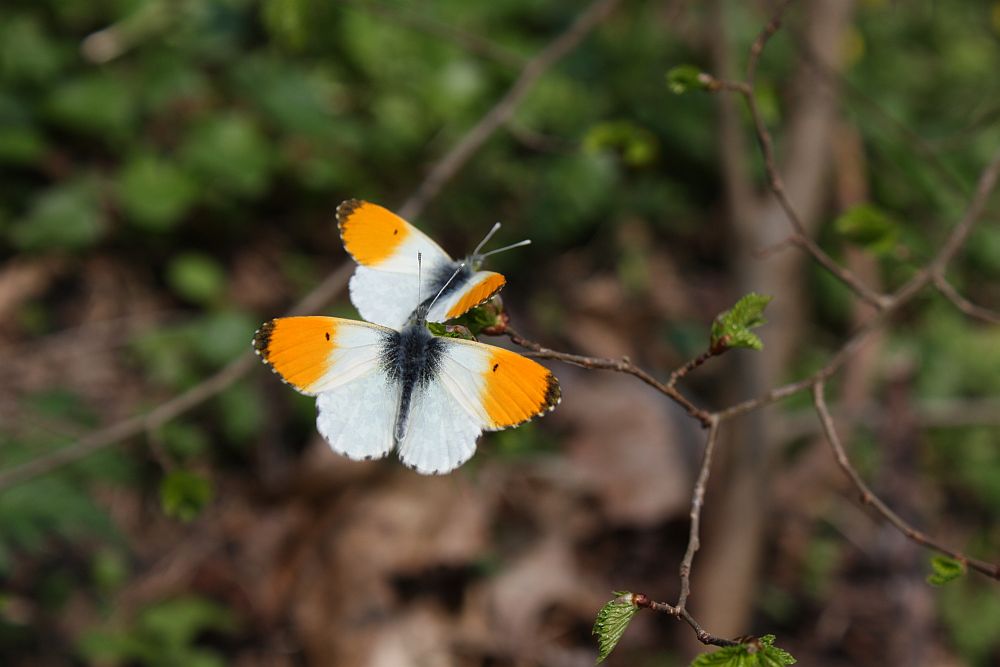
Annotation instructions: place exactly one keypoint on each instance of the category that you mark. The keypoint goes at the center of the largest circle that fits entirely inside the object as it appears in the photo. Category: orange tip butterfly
(379, 388)
(386, 248)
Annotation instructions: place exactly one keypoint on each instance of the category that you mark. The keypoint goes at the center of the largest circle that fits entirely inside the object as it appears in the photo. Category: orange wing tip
(371, 233)
(477, 295)
(296, 349)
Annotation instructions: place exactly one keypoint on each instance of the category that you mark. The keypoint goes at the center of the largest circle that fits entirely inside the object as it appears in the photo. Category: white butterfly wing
(441, 434)
(338, 361)
(383, 288)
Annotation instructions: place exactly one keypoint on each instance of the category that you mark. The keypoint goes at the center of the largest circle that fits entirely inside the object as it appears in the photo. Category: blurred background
(169, 171)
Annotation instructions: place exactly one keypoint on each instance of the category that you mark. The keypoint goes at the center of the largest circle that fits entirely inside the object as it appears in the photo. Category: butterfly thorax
(411, 358)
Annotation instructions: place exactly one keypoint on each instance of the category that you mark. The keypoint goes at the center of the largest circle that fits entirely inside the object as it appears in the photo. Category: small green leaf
(758, 652)
(611, 622)
(184, 495)
(196, 277)
(945, 569)
(155, 193)
(636, 144)
(450, 330)
(731, 329)
(869, 226)
(488, 318)
(67, 216)
(683, 78)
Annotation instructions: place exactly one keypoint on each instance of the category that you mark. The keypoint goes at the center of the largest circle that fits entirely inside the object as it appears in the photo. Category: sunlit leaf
(612, 620)
(731, 329)
(758, 652)
(945, 569)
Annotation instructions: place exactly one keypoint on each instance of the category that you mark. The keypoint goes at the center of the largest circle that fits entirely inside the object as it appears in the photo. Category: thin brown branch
(870, 499)
(985, 185)
(471, 42)
(644, 602)
(456, 158)
(623, 365)
(949, 292)
(681, 372)
(775, 182)
(697, 500)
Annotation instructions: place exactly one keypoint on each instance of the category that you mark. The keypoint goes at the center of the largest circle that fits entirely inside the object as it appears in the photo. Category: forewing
(379, 239)
(318, 354)
(478, 288)
(497, 387)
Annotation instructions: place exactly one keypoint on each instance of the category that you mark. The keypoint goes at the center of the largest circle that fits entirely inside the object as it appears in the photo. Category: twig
(776, 184)
(902, 296)
(623, 365)
(949, 292)
(471, 42)
(446, 168)
(680, 373)
(643, 601)
(869, 498)
(443, 171)
(697, 499)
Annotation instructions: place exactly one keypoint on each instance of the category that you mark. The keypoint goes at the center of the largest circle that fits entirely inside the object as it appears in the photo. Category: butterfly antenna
(419, 266)
(506, 247)
(486, 239)
(461, 266)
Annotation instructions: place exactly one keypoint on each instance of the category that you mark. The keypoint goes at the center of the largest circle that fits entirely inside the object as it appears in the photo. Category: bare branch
(623, 365)
(643, 601)
(869, 498)
(949, 292)
(697, 499)
(471, 42)
(456, 158)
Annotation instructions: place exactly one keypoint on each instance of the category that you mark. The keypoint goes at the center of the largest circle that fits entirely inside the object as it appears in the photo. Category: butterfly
(379, 388)
(386, 248)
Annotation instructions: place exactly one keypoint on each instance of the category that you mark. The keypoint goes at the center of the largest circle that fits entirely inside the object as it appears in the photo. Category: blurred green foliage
(181, 136)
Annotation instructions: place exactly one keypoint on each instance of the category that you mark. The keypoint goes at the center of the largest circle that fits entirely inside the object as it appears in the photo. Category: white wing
(357, 418)
(338, 361)
(441, 435)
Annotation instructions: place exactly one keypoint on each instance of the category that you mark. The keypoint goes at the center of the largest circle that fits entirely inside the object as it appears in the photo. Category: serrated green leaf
(731, 329)
(611, 622)
(683, 78)
(945, 569)
(759, 652)
(869, 226)
(184, 495)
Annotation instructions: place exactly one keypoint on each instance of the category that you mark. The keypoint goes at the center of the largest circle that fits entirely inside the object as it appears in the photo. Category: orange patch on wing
(371, 234)
(517, 389)
(297, 348)
(476, 294)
